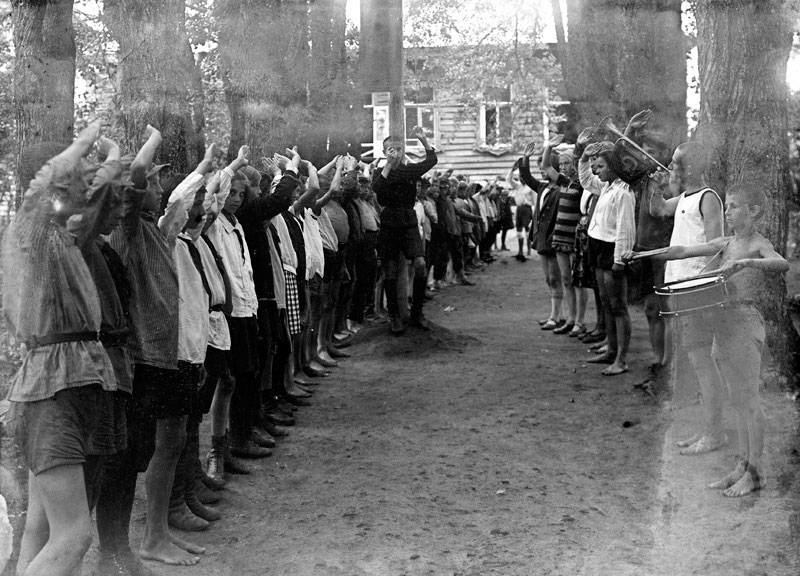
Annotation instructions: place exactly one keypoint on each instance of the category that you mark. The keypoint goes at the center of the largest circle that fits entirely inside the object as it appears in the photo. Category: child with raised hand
(747, 258)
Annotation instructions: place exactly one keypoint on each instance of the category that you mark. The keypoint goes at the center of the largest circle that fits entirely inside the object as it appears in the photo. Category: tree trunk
(625, 56)
(44, 73)
(743, 48)
(264, 60)
(155, 78)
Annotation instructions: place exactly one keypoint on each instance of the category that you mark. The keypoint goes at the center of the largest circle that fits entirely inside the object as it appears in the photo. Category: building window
(420, 115)
(495, 122)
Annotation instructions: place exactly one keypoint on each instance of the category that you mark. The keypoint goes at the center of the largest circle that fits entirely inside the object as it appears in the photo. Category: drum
(691, 296)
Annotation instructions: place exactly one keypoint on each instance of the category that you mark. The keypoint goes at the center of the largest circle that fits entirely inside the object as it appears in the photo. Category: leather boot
(233, 465)
(215, 461)
(198, 508)
(205, 494)
(182, 518)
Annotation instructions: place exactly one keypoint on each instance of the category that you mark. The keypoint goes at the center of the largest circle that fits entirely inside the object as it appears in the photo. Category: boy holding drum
(746, 258)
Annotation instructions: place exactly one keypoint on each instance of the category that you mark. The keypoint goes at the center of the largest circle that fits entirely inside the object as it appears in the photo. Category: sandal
(550, 325)
(564, 328)
(577, 330)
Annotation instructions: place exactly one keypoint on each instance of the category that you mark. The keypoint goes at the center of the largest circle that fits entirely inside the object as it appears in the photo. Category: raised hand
(640, 120)
(350, 163)
(106, 147)
(207, 163)
(555, 140)
(294, 157)
(281, 160)
(243, 157)
(419, 133)
(270, 166)
(585, 136)
(592, 149)
(530, 149)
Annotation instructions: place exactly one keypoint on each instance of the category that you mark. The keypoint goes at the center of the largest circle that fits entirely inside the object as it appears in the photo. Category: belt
(217, 308)
(114, 338)
(370, 232)
(58, 338)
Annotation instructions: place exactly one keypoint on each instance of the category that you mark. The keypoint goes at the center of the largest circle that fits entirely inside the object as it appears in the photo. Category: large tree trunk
(623, 57)
(44, 73)
(156, 78)
(44, 89)
(264, 59)
(743, 48)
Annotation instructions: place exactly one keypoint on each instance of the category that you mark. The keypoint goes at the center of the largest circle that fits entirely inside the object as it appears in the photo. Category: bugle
(607, 126)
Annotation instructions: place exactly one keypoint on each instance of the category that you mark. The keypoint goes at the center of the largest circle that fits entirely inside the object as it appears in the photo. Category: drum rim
(667, 287)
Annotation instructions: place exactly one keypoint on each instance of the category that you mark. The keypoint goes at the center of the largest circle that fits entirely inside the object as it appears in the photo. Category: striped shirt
(568, 215)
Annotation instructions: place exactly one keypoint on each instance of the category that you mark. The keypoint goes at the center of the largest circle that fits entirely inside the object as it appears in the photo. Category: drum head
(690, 283)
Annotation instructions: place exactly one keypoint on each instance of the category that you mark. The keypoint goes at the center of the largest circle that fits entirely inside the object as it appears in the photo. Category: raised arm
(661, 207)
(547, 168)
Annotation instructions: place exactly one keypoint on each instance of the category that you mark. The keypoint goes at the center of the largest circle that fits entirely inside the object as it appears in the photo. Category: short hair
(695, 155)
(612, 159)
(751, 194)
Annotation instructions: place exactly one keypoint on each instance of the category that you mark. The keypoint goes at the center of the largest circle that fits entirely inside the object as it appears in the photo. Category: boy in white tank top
(698, 220)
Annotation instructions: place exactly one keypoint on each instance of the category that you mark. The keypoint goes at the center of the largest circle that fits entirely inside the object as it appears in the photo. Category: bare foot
(132, 564)
(749, 482)
(602, 359)
(689, 441)
(188, 546)
(705, 444)
(730, 479)
(615, 369)
(167, 552)
(324, 358)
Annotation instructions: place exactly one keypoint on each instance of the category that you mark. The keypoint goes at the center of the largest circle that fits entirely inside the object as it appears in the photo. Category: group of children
(146, 299)
(615, 226)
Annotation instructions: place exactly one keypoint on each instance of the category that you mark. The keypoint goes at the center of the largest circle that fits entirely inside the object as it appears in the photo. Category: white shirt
(614, 217)
(288, 254)
(229, 240)
(329, 239)
(315, 260)
(523, 195)
(219, 335)
(192, 305)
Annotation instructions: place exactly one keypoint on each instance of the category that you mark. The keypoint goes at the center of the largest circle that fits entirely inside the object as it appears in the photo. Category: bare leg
(564, 261)
(603, 281)
(220, 407)
(617, 290)
(581, 302)
(61, 494)
(157, 543)
(37, 529)
(712, 437)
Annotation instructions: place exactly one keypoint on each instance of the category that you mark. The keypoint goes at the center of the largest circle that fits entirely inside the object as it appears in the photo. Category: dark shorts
(314, 286)
(111, 434)
(652, 275)
(168, 393)
(524, 217)
(216, 363)
(395, 241)
(57, 431)
(331, 265)
(243, 355)
(601, 254)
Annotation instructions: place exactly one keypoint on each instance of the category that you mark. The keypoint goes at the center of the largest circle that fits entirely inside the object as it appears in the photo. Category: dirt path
(489, 447)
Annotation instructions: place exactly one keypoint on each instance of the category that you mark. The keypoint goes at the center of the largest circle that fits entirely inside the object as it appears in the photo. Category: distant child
(738, 326)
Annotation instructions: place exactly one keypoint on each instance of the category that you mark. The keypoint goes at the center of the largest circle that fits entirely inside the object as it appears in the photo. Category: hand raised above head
(244, 155)
(151, 132)
(418, 132)
(555, 140)
(585, 136)
(640, 119)
(530, 149)
(105, 146)
(207, 163)
(592, 149)
(292, 152)
(350, 163)
(270, 166)
(281, 160)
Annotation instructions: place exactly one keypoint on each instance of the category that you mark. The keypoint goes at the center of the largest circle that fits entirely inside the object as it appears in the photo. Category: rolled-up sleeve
(626, 224)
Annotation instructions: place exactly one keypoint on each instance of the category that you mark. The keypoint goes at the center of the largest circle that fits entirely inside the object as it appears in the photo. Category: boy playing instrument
(738, 326)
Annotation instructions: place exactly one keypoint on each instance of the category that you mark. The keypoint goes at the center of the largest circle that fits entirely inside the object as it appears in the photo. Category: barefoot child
(747, 257)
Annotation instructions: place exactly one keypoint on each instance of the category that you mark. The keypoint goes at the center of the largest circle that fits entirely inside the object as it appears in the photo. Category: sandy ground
(490, 447)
